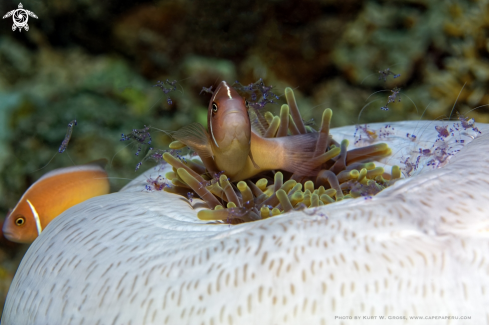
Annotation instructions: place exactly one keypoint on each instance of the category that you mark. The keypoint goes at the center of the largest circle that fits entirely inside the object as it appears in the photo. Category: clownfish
(52, 194)
(233, 146)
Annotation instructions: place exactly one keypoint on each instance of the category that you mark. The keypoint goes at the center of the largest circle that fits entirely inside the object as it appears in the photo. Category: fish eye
(20, 221)
(214, 107)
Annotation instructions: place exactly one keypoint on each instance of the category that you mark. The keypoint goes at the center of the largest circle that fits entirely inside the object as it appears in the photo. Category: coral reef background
(97, 62)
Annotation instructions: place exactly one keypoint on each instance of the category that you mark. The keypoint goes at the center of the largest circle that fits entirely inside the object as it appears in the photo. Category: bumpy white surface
(420, 247)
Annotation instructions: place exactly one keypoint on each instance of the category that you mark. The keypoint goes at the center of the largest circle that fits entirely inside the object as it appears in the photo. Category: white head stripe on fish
(212, 135)
(229, 90)
(36, 217)
(215, 94)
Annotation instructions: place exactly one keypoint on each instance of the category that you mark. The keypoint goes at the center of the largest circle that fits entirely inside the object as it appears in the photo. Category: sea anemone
(417, 248)
(333, 172)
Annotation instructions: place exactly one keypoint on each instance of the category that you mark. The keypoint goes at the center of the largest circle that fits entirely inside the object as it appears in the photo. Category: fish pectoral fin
(298, 153)
(258, 121)
(253, 161)
(196, 138)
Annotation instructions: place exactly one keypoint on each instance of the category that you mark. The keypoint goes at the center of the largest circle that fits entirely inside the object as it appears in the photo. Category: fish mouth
(233, 111)
(10, 236)
(235, 133)
(17, 239)
(234, 117)
(13, 237)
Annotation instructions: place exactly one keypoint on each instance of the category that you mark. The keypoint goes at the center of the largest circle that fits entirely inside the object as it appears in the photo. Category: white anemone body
(418, 248)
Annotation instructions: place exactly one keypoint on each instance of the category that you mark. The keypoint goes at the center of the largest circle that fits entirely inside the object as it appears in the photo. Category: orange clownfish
(232, 146)
(52, 194)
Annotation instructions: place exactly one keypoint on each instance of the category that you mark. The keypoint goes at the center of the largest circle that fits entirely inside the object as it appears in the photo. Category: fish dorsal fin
(102, 162)
(196, 138)
(96, 165)
(258, 121)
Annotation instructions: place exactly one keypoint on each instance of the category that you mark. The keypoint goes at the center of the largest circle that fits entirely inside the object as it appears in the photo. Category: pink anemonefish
(233, 146)
(52, 194)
